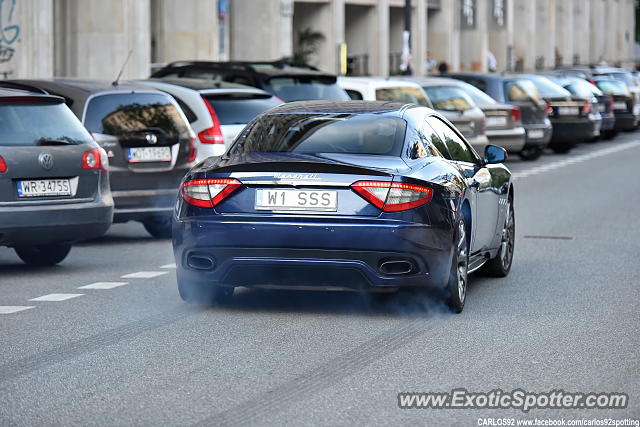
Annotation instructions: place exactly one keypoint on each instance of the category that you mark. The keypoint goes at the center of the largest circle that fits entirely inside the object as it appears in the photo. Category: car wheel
(500, 265)
(609, 134)
(204, 293)
(458, 276)
(43, 255)
(530, 153)
(562, 149)
(158, 226)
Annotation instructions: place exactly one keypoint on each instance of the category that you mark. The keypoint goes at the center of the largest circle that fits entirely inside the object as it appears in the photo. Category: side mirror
(494, 154)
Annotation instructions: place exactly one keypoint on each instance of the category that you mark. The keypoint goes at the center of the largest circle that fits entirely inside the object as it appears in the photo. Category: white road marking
(56, 297)
(103, 285)
(169, 266)
(8, 309)
(576, 159)
(144, 275)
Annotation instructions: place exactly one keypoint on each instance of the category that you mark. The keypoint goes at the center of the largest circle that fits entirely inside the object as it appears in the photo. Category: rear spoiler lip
(298, 167)
(32, 97)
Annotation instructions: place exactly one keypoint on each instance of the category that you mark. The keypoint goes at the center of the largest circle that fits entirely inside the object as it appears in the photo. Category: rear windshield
(31, 123)
(621, 77)
(324, 133)
(522, 90)
(449, 98)
(301, 88)
(581, 88)
(478, 96)
(547, 88)
(409, 95)
(122, 113)
(239, 109)
(612, 87)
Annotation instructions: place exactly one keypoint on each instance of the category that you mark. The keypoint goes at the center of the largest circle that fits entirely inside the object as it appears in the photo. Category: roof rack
(22, 86)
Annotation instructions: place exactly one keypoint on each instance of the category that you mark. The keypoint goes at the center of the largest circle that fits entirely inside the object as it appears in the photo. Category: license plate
(297, 200)
(44, 188)
(619, 105)
(149, 154)
(535, 133)
(496, 121)
(568, 111)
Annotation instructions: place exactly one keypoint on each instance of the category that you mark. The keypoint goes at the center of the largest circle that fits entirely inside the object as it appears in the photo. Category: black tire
(43, 255)
(500, 265)
(562, 149)
(530, 153)
(158, 226)
(203, 293)
(609, 134)
(456, 291)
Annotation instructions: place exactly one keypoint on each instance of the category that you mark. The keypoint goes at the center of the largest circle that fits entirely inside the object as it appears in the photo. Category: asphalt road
(566, 318)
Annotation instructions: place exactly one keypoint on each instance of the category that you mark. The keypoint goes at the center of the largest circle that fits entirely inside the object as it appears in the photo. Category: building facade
(94, 38)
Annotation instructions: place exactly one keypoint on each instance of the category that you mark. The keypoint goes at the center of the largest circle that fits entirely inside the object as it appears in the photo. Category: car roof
(209, 86)
(435, 81)
(375, 82)
(484, 76)
(265, 68)
(345, 107)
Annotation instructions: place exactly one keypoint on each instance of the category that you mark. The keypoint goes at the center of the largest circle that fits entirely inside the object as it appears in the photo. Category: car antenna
(115, 82)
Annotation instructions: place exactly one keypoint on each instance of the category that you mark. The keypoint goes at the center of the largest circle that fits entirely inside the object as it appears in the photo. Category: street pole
(406, 39)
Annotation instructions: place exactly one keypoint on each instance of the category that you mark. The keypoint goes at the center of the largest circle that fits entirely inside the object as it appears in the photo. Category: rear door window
(240, 108)
(123, 113)
(300, 88)
(27, 123)
(324, 133)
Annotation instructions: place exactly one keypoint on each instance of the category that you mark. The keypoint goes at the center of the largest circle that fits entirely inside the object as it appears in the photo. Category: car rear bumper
(625, 121)
(53, 223)
(512, 140)
(537, 135)
(608, 122)
(575, 131)
(325, 254)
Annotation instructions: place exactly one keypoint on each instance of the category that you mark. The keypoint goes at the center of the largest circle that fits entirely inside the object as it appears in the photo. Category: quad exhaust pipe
(201, 262)
(396, 267)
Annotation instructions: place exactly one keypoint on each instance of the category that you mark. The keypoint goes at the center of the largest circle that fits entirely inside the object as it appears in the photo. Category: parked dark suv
(54, 188)
(287, 82)
(522, 93)
(147, 138)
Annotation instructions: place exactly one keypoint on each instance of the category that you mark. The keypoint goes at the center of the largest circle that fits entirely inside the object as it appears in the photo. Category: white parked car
(382, 89)
(217, 111)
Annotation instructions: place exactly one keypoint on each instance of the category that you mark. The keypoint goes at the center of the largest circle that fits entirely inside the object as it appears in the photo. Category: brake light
(586, 108)
(208, 193)
(3, 165)
(193, 150)
(393, 196)
(548, 109)
(95, 160)
(516, 114)
(213, 135)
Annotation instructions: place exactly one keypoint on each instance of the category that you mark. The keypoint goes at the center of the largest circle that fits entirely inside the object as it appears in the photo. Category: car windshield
(612, 87)
(323, 133)
(301, 88)
(26, 123)
(449, 98)
(240, 108)
(478, 96)
(547, 88)
(409, 95)
(122, 113)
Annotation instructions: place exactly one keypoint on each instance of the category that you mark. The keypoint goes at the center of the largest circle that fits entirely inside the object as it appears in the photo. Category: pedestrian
(443, 68)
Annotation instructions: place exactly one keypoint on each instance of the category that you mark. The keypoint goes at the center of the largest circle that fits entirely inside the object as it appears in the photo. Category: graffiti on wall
(9, 33)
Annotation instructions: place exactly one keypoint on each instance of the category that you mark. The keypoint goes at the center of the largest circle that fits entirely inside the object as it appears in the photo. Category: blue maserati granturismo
(353, 195)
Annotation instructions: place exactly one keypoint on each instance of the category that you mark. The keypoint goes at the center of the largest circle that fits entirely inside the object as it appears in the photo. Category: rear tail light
(213, 135)
(193, 151)
(549, 109)
(516, 114)
(95, 160)
(3, 165)
(208, 193)
(611, 101)
(586, 108)
(393, 196)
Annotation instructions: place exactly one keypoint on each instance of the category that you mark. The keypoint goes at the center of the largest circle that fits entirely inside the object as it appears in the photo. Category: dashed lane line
(103, 285)
(144, 275)
(56, 297)
(9, 309)
(169, 266)
(575, 159)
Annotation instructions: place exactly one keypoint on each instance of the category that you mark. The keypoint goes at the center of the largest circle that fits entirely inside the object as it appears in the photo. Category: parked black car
(54, 188)
(287, 82)
(623, 102)
(571, 116)
(522, 93)
(147, 139)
